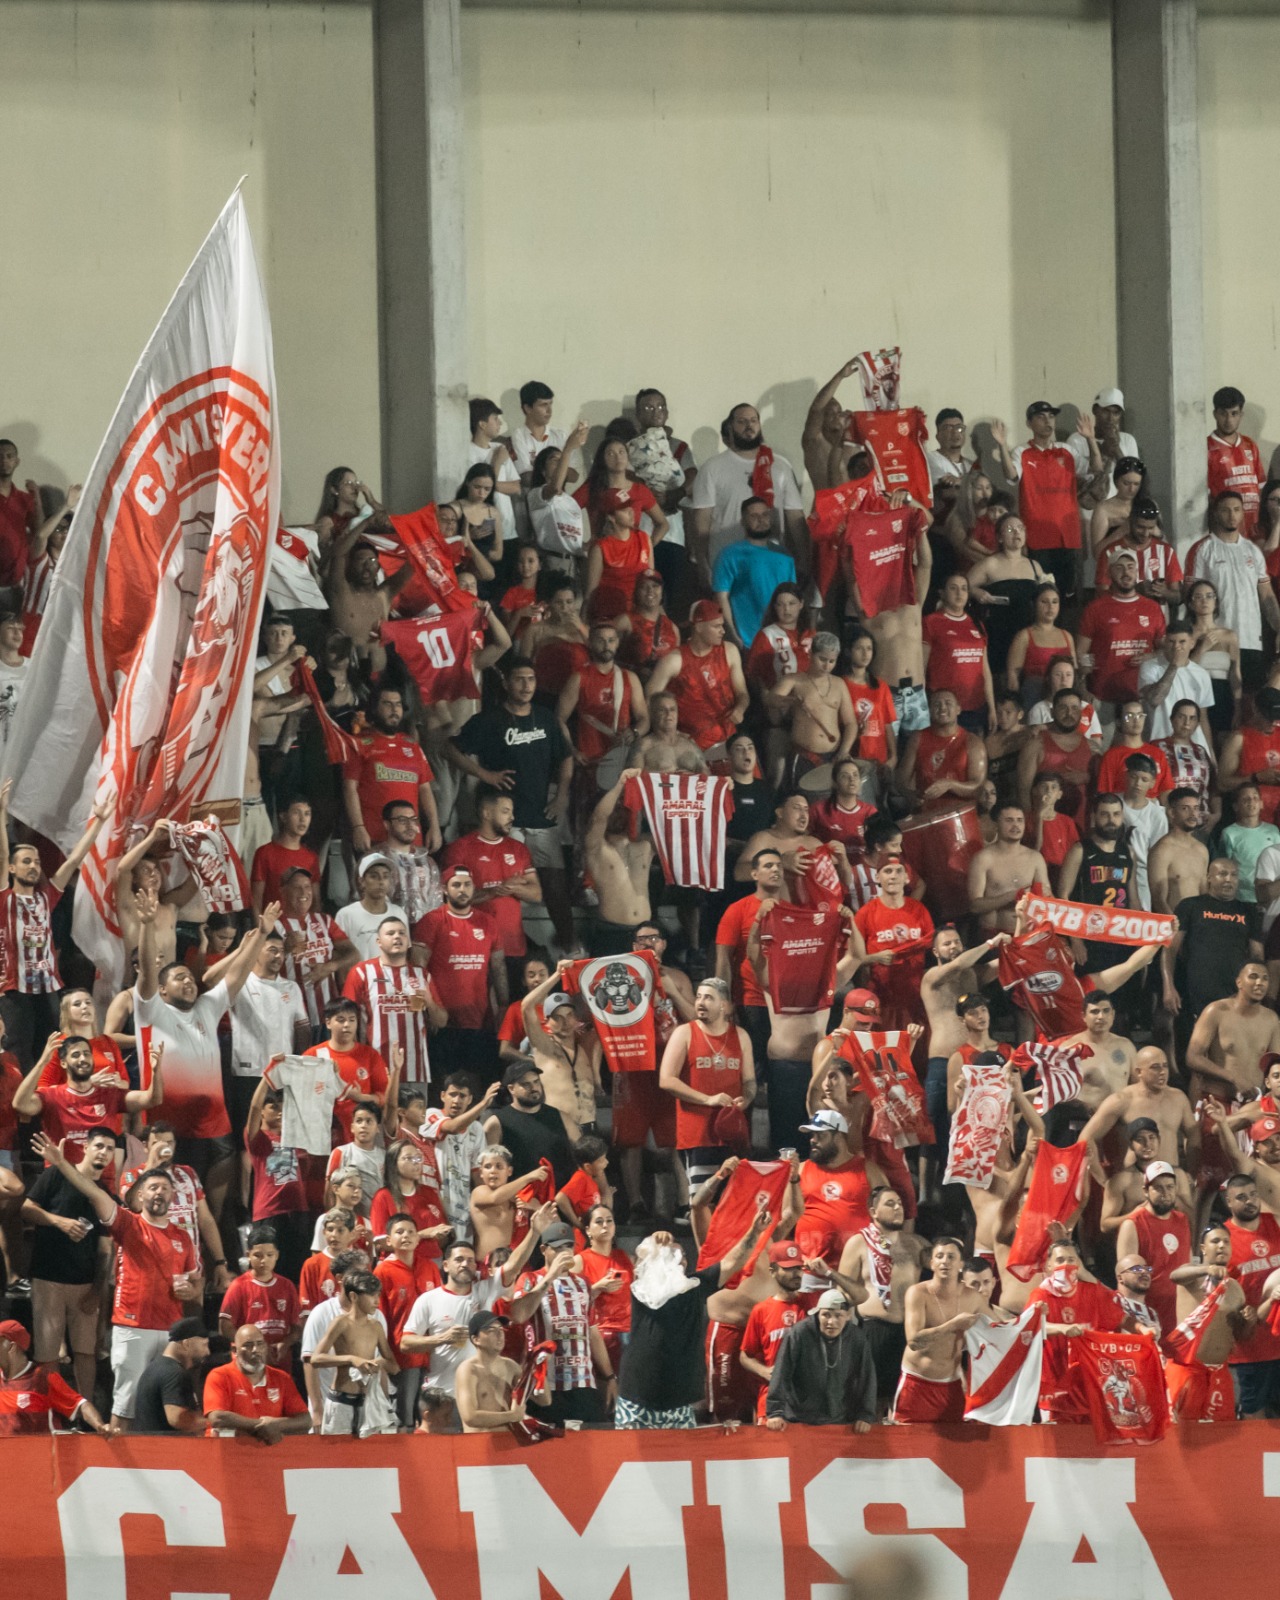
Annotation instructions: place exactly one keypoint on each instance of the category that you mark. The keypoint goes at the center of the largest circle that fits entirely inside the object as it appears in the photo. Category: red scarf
(419, 534)
(762, 475)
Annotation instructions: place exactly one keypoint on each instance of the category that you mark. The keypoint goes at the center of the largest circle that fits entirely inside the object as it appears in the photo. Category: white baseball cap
(1157, 1169)
(825, 1122)
(832, 1300)
(1109, 397)
(375, 858)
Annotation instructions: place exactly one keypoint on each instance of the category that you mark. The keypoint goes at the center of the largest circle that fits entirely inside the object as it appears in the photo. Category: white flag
(291, 581)
(142, 676)
(1004, 1369)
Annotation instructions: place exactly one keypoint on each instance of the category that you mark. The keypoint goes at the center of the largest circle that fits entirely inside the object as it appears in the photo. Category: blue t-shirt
(749, 573)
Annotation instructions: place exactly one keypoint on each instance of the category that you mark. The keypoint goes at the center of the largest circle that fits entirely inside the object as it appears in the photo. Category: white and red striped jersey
(1189, 764)
(383, 993)
(36, 585)
(28, 960)
(319, 934)
(687, 814)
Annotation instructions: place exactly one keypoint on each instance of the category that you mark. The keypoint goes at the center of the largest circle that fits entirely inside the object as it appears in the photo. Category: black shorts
(202, 1154)
(886, 1341)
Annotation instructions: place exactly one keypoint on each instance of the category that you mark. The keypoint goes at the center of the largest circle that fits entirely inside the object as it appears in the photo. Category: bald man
(1150, 1095)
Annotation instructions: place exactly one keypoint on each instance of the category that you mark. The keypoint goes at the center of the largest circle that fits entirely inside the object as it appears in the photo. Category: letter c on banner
(836, 1501)
(89, 1514)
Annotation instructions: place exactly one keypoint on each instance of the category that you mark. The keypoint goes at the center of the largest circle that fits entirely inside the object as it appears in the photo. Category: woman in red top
(77, 1016)
(1033, 648)
(872, 704)
(781, 646)
(601, 1262)
(405, 1191)
(843, 814)
(520, 603)
(969, 529)
(621, 552)
(610, 484)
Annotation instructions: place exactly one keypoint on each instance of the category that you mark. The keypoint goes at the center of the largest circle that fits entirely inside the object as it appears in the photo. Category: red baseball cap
(14, 1331)
(706, 611)
(1264, 1128)
(862, 1000)
(785, 1254)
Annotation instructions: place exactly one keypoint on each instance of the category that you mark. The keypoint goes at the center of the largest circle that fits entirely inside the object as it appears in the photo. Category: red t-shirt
(423, 1205)
(271, 862)
(1060, 833)
(11, 1075)
(881, 547)
(401, 1287)
(802, 945)
(769, 1320)
(1092, 1305)
(512, 1029)
(1110, 778)
(908, 929)
(461, 947)
(1047, 500)
(492, 862)
(316, 1281)
(228, 1389)
(278, 1176)
(151, 1257)
(598, 503)
(957, 652)
(70, 1116)
(27, 1401)
(582, 1192)
(17, 523)
(1236, 466)
(876, 714)
(1121, 629)
(274, 1305)
(610, 1312)
(828, 821)
(735, 927)
(390, 767)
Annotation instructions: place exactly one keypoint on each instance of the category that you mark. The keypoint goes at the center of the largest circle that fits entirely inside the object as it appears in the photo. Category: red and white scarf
(213, 863)
(879, 1263)
(880, 373)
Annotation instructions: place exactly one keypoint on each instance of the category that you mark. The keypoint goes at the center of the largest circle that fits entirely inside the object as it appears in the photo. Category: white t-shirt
(313, 1330)
(478, 454)
(361, 926)
(1078, 445)
(456, 1155)
(1267, 868)
(262, 1020)
(526, 449)
(11, 679)
(1146, 827)
(1191, 682)
(1235, 570)
(725, 482)
(192, 1065)
(941, 466)
(439, 1310)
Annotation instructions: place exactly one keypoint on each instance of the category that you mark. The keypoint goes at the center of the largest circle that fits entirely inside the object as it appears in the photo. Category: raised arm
(101, 810)
(242, 962)
(734, 1262)
(103, 1203)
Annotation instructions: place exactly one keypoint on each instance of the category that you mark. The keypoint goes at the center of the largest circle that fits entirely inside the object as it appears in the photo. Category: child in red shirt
(404, 1276)
(588, 1187)
(264, 1296)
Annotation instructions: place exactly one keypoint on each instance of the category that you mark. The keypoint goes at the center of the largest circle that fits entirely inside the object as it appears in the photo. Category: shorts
(342, 1414)
(911, 708)
(731, 1389)
(58, 1308)
(132, 1350)
(1257, 1385)
(203, 1154)
(606, 938)
(627, 1414)
(928, 1399)
(702, 1161)
(545, 845)
(1198, 1393)
(886, 1341)
(641, 1108)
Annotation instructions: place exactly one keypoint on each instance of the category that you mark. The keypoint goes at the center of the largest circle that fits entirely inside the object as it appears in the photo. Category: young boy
(264, 1296)
(1048, 831)
(356, 1344)
(316, 1281)
(366, 1152)
(485, 1380)
(279, 1179)
(457, 1130)
(360, 1068)
(494, 1201)
(403, 1279)
(588, 1186)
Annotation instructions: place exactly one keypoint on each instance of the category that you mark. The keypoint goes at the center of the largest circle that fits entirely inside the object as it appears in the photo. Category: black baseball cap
(486, 1319)
(1141, 1125)
(1040, 407)
(187, 1328)
(518, 1070)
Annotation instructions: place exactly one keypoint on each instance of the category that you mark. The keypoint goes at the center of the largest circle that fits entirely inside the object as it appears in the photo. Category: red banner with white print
(1100, 924)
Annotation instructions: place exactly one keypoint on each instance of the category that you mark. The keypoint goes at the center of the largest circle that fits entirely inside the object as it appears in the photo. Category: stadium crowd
(701, 960)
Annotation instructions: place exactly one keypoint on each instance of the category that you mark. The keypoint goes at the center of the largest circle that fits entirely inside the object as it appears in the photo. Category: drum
(815, 784)
(940, 846)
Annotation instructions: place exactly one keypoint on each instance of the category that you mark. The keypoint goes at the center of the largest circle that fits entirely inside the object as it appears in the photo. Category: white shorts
(131, 1351)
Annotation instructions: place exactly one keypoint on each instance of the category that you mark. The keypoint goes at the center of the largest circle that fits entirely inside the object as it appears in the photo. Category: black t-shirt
(664, 1365)
(165, 1382)
(753, 805)
(1216, 946)
(532, 747)
(532, 1135)
(54, 1257)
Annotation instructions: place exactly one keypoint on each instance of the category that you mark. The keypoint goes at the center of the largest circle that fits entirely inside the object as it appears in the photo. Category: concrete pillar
(422, 301)
(1158, 251)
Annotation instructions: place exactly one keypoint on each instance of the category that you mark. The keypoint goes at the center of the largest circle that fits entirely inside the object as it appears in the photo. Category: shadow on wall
(32, 462)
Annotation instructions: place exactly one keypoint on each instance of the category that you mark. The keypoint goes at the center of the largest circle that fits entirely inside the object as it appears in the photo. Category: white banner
(141, 679)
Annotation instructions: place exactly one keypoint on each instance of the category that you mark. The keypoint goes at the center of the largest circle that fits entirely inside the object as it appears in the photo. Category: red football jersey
(401, 1287)
(1037, 972)
(957, 654)
(390, 766)
(802, 947)
(70, 1116)
(491, 862)
(1236, 466)
(881, 546)
(461, 947)
(423, 1205)
(875, 712)
(1121, 630)
(273, 1305)
(1047, 500)
(151, 1257)
(733, 932)
(270, 863)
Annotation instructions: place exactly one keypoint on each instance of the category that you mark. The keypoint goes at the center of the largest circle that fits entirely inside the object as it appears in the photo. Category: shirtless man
(1230, 1038)
(1149, 1095)
(664, 748)
(823, 726)
(1110, 1057)
(942, 763)
(822, 439)
(570, 1065)
(1124, 1191)
(494, 1200)
(1201, 1390)
(937, 1314)
(1178, 865)
(791, 838)
(619, 867)
(356, 1344)
(1001, 873)
(359, 601)
(484, 1381)
(140, 869)
(883, 1261)
(957, 971)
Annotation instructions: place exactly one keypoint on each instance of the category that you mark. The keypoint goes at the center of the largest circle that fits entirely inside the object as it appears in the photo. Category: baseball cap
(518, 1070)
(831, 1300)
(1041, 407)
(825, 1122)
(706, 611)
(453, 871)
(651, 572)
(862, 1000)
(786, 1253)
(1141, 1125)
(1157, 1169)
(187, 1328)
(375, 858)
(15, 1333)
(553, 1002)
(1119, 553)
(1264, 1128)
(486, 1319)
(1109, 397)
(557, 1233)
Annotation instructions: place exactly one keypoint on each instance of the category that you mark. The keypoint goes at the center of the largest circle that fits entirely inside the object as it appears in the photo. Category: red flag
(437, 651)
(802, 948)
(339, 745)
(887, 1078)
(419, 533)
(1057, 1186)
(1183, 1344)
(213, 863)
(1121, 1381)
(820, 885)
(619, 993)
(754, 1184)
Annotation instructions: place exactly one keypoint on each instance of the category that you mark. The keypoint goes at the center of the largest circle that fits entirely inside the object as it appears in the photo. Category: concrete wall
(729, 206)
(124, 127)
